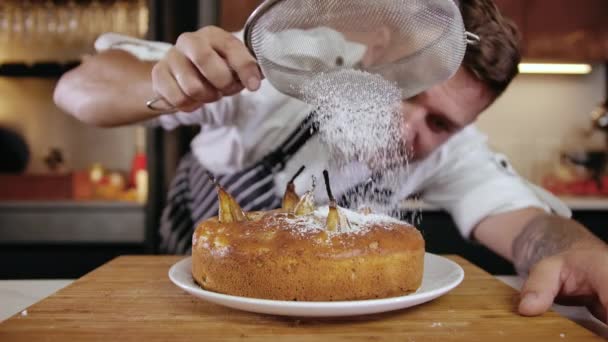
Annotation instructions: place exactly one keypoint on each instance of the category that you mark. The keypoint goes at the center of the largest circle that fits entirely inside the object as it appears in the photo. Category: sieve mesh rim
(262, 9)
(470, 38)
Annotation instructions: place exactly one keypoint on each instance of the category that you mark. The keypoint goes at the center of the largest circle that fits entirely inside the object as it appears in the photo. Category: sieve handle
(471, 38)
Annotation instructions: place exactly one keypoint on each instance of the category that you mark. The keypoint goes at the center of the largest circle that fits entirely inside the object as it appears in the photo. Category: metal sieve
(415, 43)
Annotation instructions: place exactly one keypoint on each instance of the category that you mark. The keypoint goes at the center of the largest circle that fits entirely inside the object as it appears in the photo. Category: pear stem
(297, 174)
(329, 194)
(212, 178)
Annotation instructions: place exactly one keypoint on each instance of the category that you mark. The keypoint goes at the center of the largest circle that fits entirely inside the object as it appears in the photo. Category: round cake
(302, 253)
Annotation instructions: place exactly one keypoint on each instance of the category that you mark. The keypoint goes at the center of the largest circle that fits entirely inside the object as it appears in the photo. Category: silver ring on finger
(153, 105)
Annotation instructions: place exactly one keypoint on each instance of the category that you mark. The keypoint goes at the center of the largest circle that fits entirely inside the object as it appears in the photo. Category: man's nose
(413, 121)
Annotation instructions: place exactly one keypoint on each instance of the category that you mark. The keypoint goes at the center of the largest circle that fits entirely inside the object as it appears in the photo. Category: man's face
(433, 116)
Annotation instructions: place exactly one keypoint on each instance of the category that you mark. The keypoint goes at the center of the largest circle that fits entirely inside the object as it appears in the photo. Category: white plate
(440, 276)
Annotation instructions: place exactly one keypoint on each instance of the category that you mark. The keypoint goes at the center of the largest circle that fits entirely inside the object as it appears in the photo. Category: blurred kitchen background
(73, 196)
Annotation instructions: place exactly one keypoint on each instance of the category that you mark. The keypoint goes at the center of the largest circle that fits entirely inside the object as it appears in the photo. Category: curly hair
(494, 60)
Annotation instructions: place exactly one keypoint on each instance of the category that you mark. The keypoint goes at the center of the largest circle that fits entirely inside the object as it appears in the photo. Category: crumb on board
(24, 313)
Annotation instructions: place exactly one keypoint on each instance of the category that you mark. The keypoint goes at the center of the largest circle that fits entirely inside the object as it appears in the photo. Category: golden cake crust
(275, 255)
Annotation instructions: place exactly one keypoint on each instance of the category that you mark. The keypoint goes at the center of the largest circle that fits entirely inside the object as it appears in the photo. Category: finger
(240, 60)
(208, 62)
(541, 287)
(233, 89)
(165, 85)
(190, 81)
(599, 310)
(599, 281)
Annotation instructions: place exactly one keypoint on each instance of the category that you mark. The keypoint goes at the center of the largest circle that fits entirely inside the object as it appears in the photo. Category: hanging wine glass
(28, 19)
(4, 22)
(95, 22)
(121, 16)
(144, 18)
(43, 34)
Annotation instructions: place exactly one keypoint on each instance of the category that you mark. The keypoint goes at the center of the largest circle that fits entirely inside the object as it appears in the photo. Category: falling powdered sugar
(359, 119)
(357, 113)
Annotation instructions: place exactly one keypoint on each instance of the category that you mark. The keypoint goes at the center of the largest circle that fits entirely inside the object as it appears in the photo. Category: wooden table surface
(132, 298)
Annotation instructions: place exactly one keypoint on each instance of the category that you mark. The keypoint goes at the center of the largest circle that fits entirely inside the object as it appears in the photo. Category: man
(247, 137)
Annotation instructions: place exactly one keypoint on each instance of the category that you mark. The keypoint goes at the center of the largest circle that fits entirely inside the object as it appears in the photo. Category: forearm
(528, 235)
(548, 235)
(108, 89)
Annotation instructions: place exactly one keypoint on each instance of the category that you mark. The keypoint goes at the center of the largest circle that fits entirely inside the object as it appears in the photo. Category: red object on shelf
(581, 187)
(590, 188)
(35, 187)
(83, 188)
(138, 163)
(604, 190)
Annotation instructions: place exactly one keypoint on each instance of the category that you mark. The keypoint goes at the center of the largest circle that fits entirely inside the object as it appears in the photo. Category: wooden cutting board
(131, 298)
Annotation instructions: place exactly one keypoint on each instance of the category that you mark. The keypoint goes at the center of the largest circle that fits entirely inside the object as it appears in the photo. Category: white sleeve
(474, 183)
(146, 50)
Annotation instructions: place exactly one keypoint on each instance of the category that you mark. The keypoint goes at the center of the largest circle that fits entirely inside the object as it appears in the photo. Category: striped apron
(193, 198)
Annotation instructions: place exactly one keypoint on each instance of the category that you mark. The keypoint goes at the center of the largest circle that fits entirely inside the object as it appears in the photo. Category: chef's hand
(576, 276)
(202, 67)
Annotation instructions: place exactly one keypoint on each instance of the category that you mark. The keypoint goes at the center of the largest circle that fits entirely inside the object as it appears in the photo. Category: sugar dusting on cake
(359, 223)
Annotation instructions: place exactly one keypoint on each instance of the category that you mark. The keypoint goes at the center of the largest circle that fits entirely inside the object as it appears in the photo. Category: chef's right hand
(204, 66)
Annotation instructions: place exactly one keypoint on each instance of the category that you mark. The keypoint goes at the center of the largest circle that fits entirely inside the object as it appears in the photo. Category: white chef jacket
(463, 176)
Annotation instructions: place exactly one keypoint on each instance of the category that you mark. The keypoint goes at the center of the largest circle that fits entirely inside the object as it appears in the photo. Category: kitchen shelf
(44, 70)
(586, 203)
(573, 202)
(69, 204)
(65, 222)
